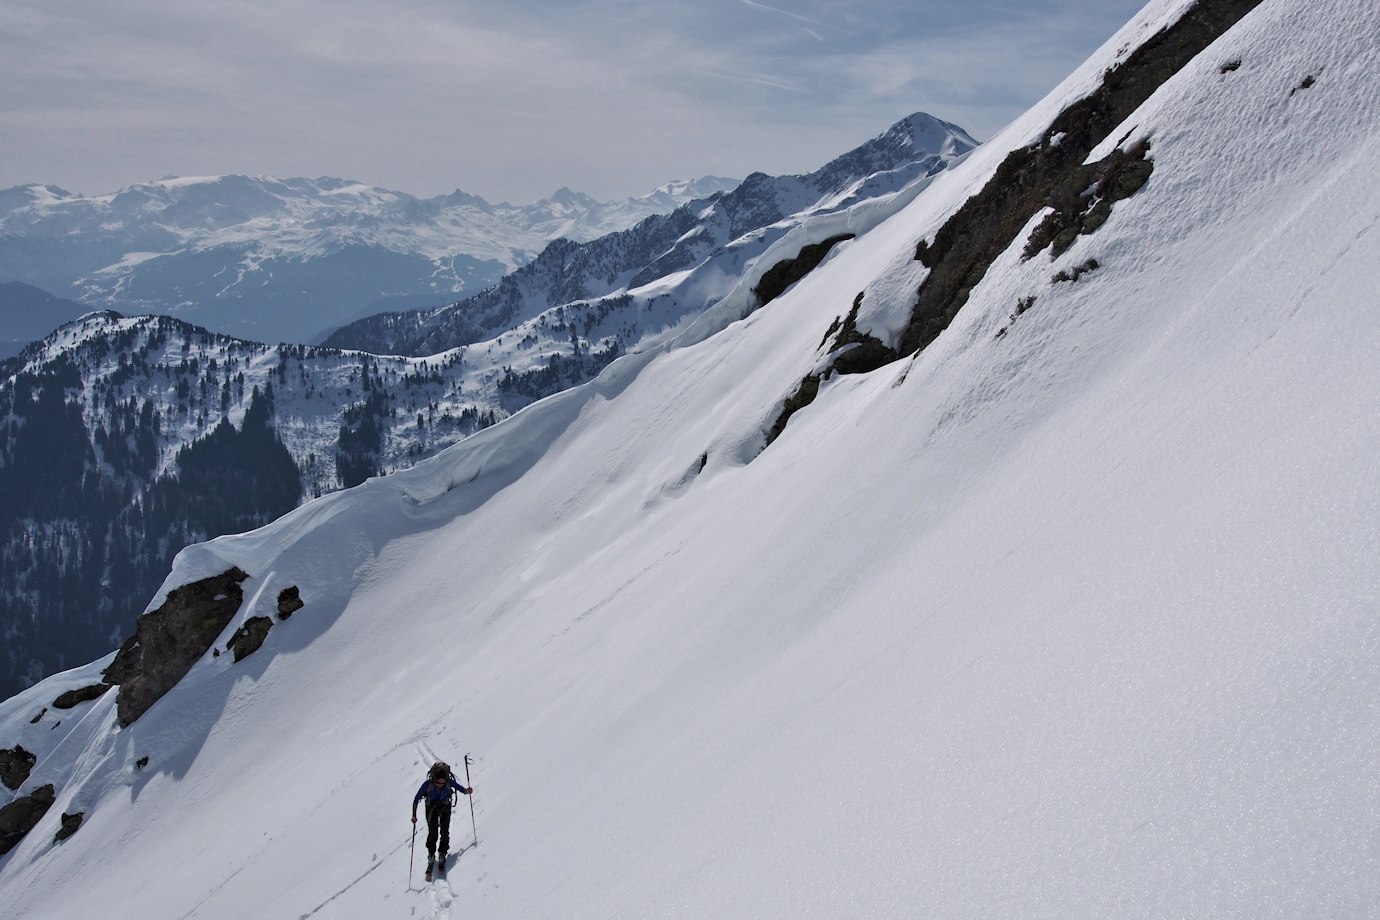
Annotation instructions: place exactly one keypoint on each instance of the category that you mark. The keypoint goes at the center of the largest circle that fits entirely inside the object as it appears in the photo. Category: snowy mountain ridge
(726, 231)
(260, 257)
(1069, 611)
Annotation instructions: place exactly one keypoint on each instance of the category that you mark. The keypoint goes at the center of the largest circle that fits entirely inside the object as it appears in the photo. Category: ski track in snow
(442, 895)
(403, 844)
(439, 890)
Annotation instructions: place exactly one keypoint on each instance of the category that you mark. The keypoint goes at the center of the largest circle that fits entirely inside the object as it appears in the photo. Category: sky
(507, 99)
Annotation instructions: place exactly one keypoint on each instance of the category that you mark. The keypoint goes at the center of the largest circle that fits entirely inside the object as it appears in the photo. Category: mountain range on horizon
(992, 534)
(288, 260)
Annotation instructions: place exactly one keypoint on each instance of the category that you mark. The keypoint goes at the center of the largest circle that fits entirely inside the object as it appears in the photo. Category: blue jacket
(437, 795)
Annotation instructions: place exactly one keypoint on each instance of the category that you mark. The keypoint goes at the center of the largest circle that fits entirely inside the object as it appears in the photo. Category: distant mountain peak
(690, 189)
(926, 132)
(917, 136)
(566, 195)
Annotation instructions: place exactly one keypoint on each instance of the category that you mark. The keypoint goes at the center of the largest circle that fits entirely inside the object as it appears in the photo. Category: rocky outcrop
(169, 641)
(1050, 173)
(249, 637)
(70, 824)
(1085, 201)
(783, 274)
(76, 697)
(802, 397)
(19, 817)
(851, 352)
(15, 765)
(289, 602)
(854, 351)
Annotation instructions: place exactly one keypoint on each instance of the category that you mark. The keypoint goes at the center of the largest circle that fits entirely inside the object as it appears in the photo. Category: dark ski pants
(438, 821)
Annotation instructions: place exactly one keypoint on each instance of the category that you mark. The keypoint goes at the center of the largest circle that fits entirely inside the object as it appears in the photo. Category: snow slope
(1080, 620)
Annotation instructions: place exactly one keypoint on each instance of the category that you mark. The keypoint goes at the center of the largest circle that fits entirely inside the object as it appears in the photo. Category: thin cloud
(757, 79)
(794, 16)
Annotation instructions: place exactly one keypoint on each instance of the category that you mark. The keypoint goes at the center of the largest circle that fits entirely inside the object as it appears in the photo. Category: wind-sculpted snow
(1078, 620)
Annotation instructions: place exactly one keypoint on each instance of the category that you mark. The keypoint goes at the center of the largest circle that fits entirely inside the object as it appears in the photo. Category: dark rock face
(802, 397)
(20, 816)
(1118, 176)
(170, 639)
(854, 352)
(1047, 173)
(70, 823)
(15, 766)
(289, 602)
(75, 697)
(788, 271)
(249, 637)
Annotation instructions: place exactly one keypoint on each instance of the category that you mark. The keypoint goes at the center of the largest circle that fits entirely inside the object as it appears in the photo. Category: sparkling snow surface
(1082, 621)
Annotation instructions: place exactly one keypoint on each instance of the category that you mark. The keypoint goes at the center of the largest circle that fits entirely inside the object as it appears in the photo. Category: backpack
(441, 768)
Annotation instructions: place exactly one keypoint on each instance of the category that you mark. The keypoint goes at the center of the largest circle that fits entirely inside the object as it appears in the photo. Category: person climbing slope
(439, 791)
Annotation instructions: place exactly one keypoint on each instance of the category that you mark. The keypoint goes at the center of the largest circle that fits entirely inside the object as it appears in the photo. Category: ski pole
(412, 853)
(471, 798)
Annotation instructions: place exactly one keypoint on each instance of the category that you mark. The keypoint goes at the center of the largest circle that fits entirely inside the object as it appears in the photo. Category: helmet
(439, 770)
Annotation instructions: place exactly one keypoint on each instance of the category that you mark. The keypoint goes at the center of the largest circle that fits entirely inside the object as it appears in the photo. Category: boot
(430, 865)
